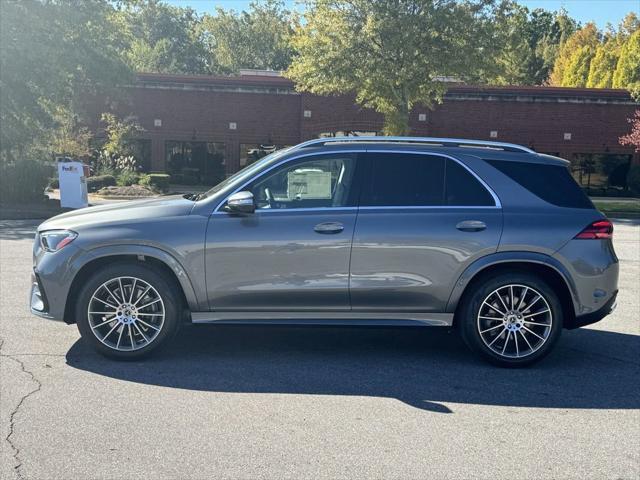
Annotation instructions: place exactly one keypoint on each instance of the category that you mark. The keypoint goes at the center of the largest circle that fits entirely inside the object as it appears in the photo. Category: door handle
(471, 226)
(329, 227)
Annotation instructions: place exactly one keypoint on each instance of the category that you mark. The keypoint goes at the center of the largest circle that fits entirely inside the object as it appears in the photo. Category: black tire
(171, 303)
(470, 324)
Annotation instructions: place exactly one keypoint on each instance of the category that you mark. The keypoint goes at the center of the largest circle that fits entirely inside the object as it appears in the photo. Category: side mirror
(240, 202)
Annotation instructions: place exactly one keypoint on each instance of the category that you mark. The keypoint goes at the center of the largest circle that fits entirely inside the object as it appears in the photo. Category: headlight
(54, 240)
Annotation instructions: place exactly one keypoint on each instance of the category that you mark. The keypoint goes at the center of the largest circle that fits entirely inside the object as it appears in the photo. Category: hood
(169, 206)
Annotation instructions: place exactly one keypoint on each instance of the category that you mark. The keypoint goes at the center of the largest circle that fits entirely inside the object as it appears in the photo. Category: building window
(601, 170)
(252, 152)
(141, 151)
(350, 133)
(191, 163)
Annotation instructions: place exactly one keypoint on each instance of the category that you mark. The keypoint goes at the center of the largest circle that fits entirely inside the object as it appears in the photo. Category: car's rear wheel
(511, 319)
(127, 311)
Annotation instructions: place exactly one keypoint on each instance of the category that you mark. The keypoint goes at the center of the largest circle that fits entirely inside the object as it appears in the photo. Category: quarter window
(551, 183)
(321, 181)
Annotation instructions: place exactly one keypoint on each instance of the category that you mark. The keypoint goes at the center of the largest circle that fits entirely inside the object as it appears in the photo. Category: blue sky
(600, 11)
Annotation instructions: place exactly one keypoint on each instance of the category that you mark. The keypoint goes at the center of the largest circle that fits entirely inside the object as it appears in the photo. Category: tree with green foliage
(603, 64)
(553, 30)
(572, 65)
(162, 38)
(627, 73)
(392, 54)
(70, 138)
(529, 43)
(257, 38)
(53, 54)
(516, 55)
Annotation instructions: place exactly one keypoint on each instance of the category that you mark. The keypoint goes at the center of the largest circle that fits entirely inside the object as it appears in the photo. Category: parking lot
(283, 402)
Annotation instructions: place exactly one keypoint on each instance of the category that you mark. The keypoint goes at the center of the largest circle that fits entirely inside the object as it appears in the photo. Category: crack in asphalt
(9, 438)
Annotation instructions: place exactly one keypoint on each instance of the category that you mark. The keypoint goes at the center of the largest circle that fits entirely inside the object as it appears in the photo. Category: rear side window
(404, 180)
(551, 183)
(418, 180)
(463, 189)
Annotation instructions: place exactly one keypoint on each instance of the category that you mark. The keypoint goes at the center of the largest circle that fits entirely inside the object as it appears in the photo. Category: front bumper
(38, 300)
(593, 317)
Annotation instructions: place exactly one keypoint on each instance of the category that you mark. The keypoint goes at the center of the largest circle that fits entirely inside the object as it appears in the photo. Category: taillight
(598, 229)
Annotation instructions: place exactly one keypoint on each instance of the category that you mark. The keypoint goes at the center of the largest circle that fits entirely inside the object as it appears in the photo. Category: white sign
(73, 185)
(308, 184)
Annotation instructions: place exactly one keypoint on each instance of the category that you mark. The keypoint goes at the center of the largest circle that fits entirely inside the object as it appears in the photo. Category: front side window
(322, 181)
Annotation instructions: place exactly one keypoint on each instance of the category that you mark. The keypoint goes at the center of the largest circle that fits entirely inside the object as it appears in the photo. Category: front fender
(510, 257)
(194, 301)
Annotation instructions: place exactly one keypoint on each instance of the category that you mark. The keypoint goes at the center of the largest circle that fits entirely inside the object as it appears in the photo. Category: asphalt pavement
(315, 403)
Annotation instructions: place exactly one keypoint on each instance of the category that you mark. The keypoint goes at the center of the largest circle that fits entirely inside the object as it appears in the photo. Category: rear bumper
(593, 317)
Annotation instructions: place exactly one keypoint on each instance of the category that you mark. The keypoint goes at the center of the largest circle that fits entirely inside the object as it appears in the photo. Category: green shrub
(97, 182)
(54, 183)
(127, 178)
(633, 179)
(23, 181)
(157, 181)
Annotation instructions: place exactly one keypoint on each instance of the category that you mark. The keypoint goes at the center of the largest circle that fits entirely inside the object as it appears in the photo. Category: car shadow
(424, 368)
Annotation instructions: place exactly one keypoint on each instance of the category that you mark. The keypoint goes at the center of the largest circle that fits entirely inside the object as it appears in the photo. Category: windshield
(244, 173)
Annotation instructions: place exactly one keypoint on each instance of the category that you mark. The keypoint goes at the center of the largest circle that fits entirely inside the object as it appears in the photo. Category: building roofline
(178, 81)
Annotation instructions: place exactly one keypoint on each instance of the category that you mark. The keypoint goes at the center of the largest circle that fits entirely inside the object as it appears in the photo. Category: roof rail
(440, 142)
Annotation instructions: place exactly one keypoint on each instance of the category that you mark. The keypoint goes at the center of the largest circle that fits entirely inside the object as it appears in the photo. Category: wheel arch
(153, 257)
(544, 266)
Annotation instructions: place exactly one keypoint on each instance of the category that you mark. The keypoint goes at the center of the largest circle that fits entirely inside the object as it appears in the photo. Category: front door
(423, 219)
(293, 252)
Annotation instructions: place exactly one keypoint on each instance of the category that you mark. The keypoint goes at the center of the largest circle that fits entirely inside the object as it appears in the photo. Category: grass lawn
(630, 207)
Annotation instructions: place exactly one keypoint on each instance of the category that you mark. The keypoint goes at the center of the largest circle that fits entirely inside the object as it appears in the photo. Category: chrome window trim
(368, 208)
(496, 199)
(289, 210)
(427, 207)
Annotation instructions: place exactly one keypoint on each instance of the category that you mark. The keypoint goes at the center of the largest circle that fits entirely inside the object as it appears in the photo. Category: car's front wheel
(127, 311)
(511, 319)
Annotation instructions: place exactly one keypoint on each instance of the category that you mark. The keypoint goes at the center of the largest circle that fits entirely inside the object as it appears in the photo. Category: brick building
(206, 126)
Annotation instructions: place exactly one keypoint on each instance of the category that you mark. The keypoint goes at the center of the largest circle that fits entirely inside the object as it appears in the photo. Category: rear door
(423, 218)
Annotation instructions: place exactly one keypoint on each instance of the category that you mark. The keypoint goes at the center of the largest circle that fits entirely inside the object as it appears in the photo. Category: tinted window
(463, 189)
(552, 183)
(404, 180)
(321, 181)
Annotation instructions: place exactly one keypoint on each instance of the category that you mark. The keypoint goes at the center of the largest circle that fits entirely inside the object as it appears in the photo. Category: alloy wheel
(514, 321)
(126, 313)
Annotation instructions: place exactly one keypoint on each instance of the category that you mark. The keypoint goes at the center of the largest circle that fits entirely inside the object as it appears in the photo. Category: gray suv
(491, 239)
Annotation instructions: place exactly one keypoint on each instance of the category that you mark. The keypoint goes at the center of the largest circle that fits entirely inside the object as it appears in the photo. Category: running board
(326, 318)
